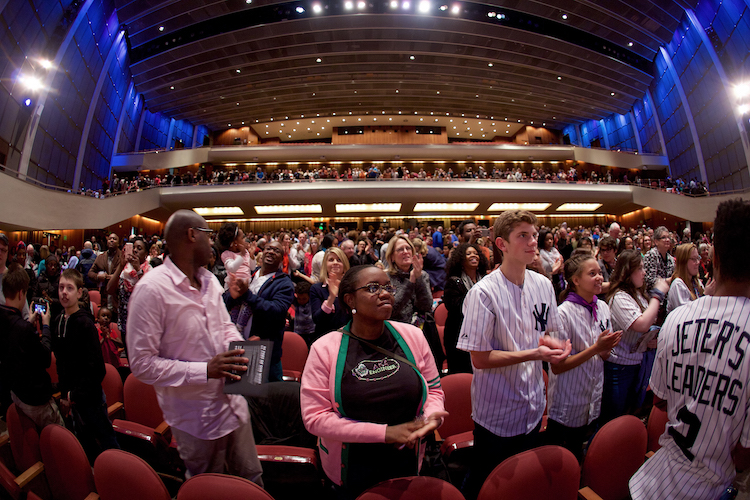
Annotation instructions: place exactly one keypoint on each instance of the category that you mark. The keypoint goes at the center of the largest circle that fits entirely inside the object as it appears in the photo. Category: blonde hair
(338, 253)
(419, 246)
(681, 257)
(392, 269)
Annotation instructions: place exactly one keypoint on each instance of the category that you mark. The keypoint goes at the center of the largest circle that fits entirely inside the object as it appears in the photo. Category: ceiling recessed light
(442, 207)
(300, 10)
(630, 44)
(490, 65)
(161, 28)
(584, 207)
(412, 58)
(564, 16)
(611, 93)
(209, 211)
(319, 60)
(171, 88)
(287, 209)
(317, 8)
(367, 207)
(534, 207)
(348, 5)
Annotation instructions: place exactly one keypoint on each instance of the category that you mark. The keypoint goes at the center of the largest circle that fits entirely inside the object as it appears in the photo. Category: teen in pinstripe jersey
(702, 372)
(506, 317)
(575, 383)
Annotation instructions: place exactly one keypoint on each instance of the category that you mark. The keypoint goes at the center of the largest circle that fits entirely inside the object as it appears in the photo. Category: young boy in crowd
(24, 355)
(508, 316)
(80, 367)
(303, 322)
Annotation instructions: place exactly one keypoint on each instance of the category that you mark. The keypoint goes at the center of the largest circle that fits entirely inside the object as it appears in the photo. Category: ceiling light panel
(216, 211)
(443, 207)
(367, 207)
(532, 207)
(583, 207)
(288, 209)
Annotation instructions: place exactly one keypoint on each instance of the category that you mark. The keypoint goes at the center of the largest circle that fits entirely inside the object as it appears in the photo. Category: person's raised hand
(710, 287)
(237, 287)
(333, 284)
(227, 364)
(661, 285)
(553, 350)
(608, 340)
(417, 265)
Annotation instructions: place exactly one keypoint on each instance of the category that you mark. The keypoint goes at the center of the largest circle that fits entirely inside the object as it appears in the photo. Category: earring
(354, 311)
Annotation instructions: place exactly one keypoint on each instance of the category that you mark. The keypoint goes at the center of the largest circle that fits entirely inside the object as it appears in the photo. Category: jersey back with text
(702, 369)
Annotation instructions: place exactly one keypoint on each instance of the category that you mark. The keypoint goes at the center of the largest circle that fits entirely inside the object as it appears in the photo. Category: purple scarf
(577, 299)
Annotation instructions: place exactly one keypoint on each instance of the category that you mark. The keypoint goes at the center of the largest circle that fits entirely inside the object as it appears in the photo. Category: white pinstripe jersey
(498, 315)
(702, 371)
(575, 396)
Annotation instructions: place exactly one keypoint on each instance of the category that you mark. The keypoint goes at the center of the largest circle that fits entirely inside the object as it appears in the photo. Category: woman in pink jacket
(370, 391)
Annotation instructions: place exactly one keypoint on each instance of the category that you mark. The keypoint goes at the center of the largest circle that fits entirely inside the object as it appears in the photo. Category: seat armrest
(29, 474)
(114, 408)
(649, 454)
(164, 431)
(4, 439)
(587, 493)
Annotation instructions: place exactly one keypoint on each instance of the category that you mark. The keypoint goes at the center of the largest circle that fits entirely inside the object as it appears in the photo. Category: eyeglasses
(205, 230)
(377, 288)
(695, 259)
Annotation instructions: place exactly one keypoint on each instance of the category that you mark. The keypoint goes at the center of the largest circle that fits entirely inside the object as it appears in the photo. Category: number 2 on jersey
(685, 442)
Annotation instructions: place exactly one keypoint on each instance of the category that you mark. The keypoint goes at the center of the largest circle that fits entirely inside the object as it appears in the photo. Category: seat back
(614, 455)
(112, 385)
(441, 314)
(220, 487)
(8, 483)
(120, 475)
(294, 352)
(66, 466)
(24, 438)
(457, 388)
(52, 370)
(95, 297)
(412, 488)
(141, 405)
(657, 423)
(541, 473)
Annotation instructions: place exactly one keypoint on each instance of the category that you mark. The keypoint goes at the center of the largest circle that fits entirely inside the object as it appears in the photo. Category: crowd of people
(584, 304)
(128, 183)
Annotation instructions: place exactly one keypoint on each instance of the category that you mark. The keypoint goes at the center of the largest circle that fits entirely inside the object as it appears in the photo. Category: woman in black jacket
(466, 266)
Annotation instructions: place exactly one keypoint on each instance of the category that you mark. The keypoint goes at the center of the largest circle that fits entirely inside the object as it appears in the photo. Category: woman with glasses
(327, 312)
(685, 285)
(370, 390)
(412, 293)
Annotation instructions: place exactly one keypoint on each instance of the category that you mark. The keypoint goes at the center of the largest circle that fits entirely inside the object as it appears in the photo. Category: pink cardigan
(318, 396)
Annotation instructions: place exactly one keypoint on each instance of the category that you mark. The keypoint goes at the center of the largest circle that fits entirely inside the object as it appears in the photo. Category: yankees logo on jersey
(540, 316)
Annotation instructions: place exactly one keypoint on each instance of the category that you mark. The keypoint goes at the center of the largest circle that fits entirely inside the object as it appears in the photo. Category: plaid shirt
(656, 267)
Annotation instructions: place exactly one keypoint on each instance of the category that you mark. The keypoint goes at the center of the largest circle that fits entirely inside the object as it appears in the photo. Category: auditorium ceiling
(222, 63)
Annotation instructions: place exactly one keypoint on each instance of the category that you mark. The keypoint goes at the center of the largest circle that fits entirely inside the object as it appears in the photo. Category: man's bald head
(88, 245)
(176, 229)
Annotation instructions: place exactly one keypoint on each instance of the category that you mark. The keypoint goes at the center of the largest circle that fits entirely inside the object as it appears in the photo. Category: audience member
(104, 268)
(575, 383)
(303, 319)
(178, 343)
(47, 285)
(607, 260)
(412, 295)
(325, 305)
(80, 367)
(109, 337)
(24, 354)
(370, 421)
(635, 314)
(506, 317)
(129, 271)
(466, 266)
(268, 295)
(685, 286)
(707, 436)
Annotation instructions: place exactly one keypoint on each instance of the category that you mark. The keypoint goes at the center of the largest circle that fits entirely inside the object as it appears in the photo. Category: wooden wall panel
(389, 135)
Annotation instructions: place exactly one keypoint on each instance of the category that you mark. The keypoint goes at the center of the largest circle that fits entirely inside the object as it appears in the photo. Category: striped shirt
(575, 396)
(625, 311)
(498, 315)
(702, 371)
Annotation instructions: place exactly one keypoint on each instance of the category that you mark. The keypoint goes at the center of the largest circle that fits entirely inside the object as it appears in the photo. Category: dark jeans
(93, 428)
(620, 391)
(276, 372)
(571, 438)
(490, 450)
